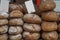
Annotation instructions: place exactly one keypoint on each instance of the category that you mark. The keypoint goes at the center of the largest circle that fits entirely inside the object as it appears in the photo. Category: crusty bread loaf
(31, 36)
(16, 14)
(3, 37)
(50, 35)
(17, 21)
(47, 5)
(3, 21)
(49, 26)
(15, 30)
(49, 16)
(3, 29)
(15, 37)
(32, 18)
(32, 27)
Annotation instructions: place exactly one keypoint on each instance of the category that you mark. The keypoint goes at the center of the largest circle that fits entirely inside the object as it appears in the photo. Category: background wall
(57, 5)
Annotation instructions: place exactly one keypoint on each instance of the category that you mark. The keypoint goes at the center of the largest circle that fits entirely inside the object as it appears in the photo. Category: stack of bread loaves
(3, 25)
(49, 17)
(31, 27)
(15, 22)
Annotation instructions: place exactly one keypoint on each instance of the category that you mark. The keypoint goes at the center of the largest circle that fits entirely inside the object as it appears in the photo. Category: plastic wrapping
(15, 30)
(50, 35)
(15, 37)
(17, 21)
(16, 13)
(31, 36)
(3, 21)
(32, 27)
(50, 16)
(32, 18)
(3, 29)
(49, 26)
(47, 5)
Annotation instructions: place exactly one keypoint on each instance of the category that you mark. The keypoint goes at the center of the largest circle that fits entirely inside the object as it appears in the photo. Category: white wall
(57, 5)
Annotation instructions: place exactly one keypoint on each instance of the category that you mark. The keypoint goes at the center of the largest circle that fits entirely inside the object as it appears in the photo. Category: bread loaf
(17, 21)
(31, 36)
(3, 37)
(47, 5)
(32, 18)
(49, 26)
(16, 14)
(32, 27)
(15, 37)
(3, 29)
(3, 21)
(49, 16)
(50, 35)
(15, 30)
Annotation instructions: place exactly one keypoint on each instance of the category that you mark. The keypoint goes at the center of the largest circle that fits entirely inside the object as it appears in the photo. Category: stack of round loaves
(49, 17)
(3, 25)
(31, 27)
(23, 26)
(15, 22)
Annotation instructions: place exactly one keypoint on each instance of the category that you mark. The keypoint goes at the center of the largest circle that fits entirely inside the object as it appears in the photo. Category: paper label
(30, 6)
(4, 6)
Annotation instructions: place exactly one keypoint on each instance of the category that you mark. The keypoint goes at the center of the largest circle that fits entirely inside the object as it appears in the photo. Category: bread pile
(15, 22)
(19, 25)
(49, 17)
(3, 25)
(31, 27)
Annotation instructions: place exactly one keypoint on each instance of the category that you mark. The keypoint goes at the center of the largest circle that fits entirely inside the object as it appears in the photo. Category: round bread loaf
(49, 26)
(3, 37)
(16, 13)
(3, 29)
(4, 15)
(3, 21)
(47, 5)
(17, 21)
(15, 37)
(32, 27)
(49, 16)
(50, 35)
(31, 36)
(32, 18)
(13, 7)
(15, 30)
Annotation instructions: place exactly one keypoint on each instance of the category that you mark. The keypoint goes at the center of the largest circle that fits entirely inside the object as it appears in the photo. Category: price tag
(4, 5)
(30, 6)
